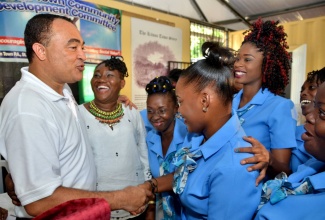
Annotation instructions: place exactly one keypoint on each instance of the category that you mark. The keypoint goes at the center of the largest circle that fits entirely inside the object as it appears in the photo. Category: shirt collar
(180, 132)
(40, 85)
(178, 138)
(318, 182)
(312, 169)
(219, 139)
(258, 99)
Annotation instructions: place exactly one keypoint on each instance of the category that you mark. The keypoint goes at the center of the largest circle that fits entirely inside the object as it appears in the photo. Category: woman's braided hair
(270, 39)
(161, 85)
(115, 63)
(317, 76)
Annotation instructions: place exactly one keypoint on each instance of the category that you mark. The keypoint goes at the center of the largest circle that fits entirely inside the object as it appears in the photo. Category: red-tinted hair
(270, 39)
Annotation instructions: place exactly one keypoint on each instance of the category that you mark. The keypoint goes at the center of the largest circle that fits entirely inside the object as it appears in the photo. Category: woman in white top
(117, 134)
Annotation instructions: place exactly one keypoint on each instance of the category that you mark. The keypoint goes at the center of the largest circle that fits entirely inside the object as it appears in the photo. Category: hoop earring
(204, 109)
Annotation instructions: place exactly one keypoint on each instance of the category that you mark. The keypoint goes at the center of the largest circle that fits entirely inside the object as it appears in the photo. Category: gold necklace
(109, 118)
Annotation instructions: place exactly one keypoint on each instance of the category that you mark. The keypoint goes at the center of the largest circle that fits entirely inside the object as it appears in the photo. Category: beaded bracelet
(154, 187)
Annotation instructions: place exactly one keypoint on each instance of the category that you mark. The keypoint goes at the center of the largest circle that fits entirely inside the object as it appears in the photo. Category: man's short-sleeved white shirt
(44, 140)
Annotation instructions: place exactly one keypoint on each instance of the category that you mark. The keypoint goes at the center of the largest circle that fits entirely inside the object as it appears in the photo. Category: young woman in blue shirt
(307, 96)
(305, 188)
(166, 136)
(209, 179)
(262, 66)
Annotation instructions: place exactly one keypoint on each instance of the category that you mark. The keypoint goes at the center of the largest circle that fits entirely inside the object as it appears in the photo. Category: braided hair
(317, 76)
(270, 39)
(215, 69)
(161, 85)
(116, 63)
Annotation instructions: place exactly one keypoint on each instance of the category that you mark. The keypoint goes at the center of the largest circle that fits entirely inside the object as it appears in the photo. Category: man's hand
(10, 187)
(135, 199)
(146, 185)
(260, 159)
(3, 213)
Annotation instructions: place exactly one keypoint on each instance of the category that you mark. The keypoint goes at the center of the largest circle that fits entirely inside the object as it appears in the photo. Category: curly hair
(270, 39)
(215, 69)
(161, 85)
(116, 63)
(317, 76)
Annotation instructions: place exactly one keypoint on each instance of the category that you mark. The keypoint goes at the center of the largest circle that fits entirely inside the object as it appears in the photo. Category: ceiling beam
(241, 18)
(273, 13)
(198, 9)
(210, 24)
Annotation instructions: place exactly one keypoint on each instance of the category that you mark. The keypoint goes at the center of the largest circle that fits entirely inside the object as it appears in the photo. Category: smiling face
(64, 55)
(307, 95)
(161, 110)
(314, 136)
(106, 84)
(248, 65)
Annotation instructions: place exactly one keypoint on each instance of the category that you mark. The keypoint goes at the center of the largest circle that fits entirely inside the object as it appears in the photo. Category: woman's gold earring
(204, 109)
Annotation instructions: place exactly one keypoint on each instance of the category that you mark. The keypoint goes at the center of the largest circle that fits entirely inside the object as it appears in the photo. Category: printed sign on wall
(99, 26)
(153, 45)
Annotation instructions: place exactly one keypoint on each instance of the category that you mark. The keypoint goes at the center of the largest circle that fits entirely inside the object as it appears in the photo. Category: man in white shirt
(41, 134)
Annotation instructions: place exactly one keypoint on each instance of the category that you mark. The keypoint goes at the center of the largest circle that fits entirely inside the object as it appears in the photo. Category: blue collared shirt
(272, 120)
(307, 206)
(155, 148)
(220, 187)
(156, 157)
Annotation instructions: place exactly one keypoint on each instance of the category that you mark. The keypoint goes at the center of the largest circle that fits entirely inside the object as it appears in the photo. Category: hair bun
(217, 55)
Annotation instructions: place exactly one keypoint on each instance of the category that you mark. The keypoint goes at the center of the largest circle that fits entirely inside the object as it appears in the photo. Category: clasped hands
(135, 198)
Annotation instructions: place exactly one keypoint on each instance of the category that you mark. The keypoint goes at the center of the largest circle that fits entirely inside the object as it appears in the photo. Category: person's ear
(39, 51)
(122, 83)
(205, 101)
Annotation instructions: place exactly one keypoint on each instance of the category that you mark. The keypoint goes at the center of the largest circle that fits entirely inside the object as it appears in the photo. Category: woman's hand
(10, 187)
(260, 160)
(151, 212)
(126, 101)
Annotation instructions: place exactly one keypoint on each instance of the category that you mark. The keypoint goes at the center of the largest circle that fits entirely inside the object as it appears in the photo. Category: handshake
(134, 199)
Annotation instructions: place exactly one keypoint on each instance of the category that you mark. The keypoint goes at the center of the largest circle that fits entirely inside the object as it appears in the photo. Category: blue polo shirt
(220, 187)
(156, 157)
(272, 120)
(308, 206)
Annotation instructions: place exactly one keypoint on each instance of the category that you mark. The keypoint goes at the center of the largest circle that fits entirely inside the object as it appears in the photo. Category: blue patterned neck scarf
(279, 188)
(167, 200)
(240, 113)
(185, 163)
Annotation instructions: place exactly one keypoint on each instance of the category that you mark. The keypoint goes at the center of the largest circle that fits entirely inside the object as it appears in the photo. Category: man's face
(64, 53)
